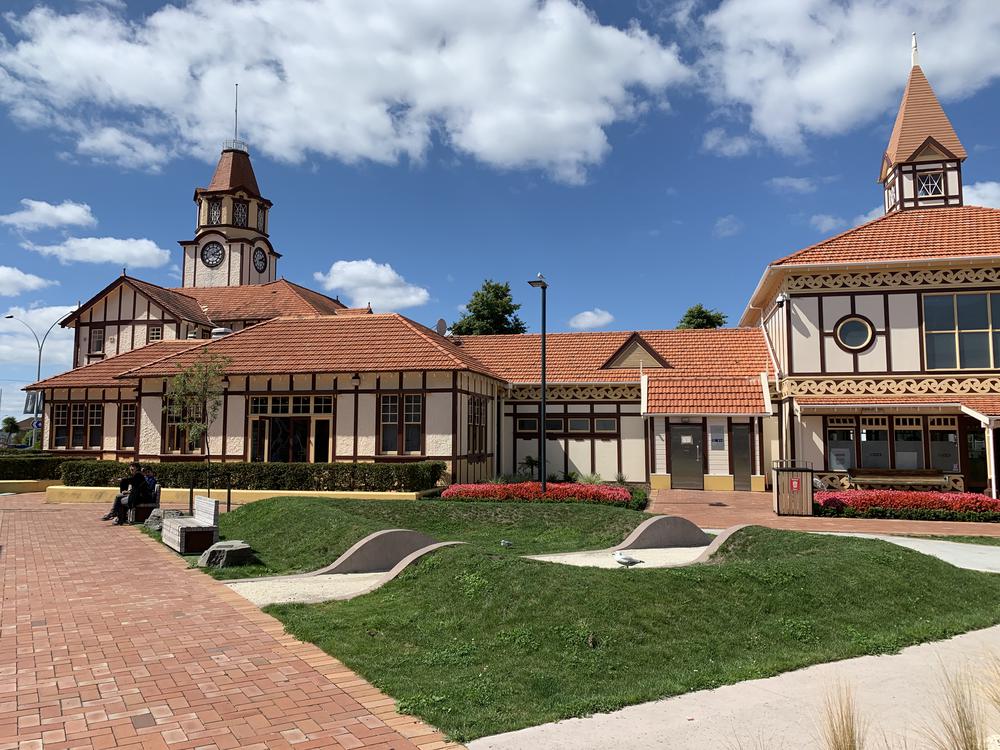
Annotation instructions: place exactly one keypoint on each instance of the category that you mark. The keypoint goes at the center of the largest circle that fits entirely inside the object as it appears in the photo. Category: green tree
(699, 317)
(490, 310)
(194, 397)
(10, 428)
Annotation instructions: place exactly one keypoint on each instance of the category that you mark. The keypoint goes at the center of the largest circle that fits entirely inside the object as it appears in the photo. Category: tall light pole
(38, 372)
(541, 283)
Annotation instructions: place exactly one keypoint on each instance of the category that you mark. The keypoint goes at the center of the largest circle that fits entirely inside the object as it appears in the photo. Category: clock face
(212, 254)
(260, 260)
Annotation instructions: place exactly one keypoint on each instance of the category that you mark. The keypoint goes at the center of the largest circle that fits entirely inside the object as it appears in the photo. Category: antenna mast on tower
(236, 144)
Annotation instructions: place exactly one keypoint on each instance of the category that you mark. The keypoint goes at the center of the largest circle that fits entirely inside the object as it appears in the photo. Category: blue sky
(644, 155)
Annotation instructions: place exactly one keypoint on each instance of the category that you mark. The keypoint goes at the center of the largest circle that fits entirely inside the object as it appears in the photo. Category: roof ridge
(430, 336)
(98, 363)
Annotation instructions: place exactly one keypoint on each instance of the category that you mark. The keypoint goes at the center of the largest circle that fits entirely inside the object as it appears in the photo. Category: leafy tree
(195, 396)
(490, 310)
(10, 427)
(699, 317)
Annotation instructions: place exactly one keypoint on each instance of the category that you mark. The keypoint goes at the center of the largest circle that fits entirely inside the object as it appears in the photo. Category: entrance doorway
(740, 447)
(687, 467)
(287, 440)
(975, 462)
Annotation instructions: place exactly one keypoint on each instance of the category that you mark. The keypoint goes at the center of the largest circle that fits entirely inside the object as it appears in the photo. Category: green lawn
(477, 641)
(300, 534)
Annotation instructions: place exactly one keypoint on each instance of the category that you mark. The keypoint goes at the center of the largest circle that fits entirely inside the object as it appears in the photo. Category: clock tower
(231, 245)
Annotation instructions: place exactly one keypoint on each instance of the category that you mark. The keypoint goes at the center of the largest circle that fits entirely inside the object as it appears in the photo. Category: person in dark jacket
(134, 490)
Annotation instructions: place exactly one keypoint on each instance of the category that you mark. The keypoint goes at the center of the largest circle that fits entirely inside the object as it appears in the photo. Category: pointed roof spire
(234, 171)
(920, 117)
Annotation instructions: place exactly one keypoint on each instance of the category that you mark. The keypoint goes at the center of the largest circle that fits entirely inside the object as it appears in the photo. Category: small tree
(490, 310)
(699, 317)
(10, 428)
(195, 396)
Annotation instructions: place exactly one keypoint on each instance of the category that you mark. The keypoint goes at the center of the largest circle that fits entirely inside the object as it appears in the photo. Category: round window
(854, 333)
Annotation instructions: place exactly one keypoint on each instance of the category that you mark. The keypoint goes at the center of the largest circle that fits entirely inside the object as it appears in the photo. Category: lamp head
(539, 282)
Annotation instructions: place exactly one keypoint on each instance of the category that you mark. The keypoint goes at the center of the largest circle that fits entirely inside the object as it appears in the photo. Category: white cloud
(982, 194)
(820, 67)
(516, 84)
(826, 223)
(717, 141)
(727, 226)
(868, 216)
(588, 319)
(133, 253)
(42, 215)
(17, 345)
(364, 281)
(14, 281)
(792, 184)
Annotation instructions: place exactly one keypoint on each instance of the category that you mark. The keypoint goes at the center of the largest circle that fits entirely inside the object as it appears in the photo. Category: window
(215, 211)
(78, 425)
(908, 436)
(962, 331)
(930, 184)
(874, 443)
(854, 333)
(301, 404)
(578, 424)
(477, 425)
(605, 424)
(527, 424)
(389, 414)
(258, 404)
(413, 408)
(60, 424)
(177, 440)
(279, 405)
(840, 443)
(96, 340)
(95, 425)
(553, 424)
(943, 434)
(241, 211)
(261, 217)
(155, 333)
(323, 404)
(126, 426)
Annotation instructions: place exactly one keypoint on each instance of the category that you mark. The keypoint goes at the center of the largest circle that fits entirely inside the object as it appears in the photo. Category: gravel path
(601, 558)
(305, 589)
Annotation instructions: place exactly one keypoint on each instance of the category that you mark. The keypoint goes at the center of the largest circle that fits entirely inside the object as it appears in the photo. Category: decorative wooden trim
(595, 392)
(895, 279)
(946, 385)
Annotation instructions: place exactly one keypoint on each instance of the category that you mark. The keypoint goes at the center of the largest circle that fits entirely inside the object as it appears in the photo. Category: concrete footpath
(900, 694)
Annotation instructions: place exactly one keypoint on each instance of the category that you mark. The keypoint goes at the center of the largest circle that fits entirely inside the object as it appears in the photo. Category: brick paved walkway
(719, 510)
(108, 640)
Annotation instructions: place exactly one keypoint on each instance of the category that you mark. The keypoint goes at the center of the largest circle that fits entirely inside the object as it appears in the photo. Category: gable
(634, 353)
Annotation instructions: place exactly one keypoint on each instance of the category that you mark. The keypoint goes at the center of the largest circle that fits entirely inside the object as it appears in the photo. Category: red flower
(861, 500)
(532, 491)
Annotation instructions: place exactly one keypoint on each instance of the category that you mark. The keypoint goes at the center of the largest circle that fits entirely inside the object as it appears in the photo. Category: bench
(192, 535)
(139, 513)
(898, 478)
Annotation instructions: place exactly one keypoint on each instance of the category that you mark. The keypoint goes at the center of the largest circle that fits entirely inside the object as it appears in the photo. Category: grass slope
(300, 534)
(477, 642)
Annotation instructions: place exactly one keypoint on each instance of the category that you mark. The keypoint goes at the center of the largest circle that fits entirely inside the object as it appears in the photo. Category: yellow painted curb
(27, 485)
(659, 481)
(171, 495)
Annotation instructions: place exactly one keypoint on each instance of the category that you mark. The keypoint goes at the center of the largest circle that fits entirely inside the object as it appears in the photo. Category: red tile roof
(579, 357)
(259, 301)
(104, 374)
(922, 234)
(985, 404)
(335, 343)
(707, 395)
(920, 117)
(233, 171)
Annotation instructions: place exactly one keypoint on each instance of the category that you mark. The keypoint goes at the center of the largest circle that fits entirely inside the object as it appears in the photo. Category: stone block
(226, 554)
(155, 520)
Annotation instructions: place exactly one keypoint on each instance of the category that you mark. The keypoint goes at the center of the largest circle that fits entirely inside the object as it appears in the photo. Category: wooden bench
(139, 513)
(898, 478)
(192, 535)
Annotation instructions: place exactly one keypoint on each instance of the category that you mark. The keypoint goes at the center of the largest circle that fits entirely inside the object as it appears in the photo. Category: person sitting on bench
(134, 490)
(150, 479)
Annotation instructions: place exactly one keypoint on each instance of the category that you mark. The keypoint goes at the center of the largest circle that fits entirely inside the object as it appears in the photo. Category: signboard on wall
(717, 438)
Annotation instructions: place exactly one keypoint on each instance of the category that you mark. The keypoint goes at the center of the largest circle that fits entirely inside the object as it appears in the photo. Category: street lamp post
(541, 283)
(38, 372)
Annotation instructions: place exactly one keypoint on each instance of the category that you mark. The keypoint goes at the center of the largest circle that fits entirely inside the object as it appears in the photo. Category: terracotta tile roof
(921, 234)
(233, 171)
(332, 343)
(259, 301)
(173, 300)
(579, 357)
(985, 404)
(680, 395)
(104, 374)
(920, 117)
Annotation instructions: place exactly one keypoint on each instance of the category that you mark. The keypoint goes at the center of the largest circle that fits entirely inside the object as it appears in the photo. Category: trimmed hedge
(556, 492)
(362, 477)
(21, 465)
(910, 505)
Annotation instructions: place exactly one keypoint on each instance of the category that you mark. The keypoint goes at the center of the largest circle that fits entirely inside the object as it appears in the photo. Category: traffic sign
(37, 424)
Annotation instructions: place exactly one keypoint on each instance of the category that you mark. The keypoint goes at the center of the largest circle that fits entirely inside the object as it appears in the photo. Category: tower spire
(236, 110)
(914, 52)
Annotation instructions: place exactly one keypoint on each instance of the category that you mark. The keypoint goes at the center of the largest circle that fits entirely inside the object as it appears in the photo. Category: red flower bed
(532, 491)
(961, 506)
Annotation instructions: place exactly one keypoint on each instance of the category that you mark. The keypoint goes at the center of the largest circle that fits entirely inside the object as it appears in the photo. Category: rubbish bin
(793, 488)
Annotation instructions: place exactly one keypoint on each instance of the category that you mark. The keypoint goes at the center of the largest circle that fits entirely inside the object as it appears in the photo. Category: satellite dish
(441, 327)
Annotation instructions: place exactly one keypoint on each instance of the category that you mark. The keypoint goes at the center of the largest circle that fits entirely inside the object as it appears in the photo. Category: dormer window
(215, 212)
(241, 211)
(930, 184)
(261, 217)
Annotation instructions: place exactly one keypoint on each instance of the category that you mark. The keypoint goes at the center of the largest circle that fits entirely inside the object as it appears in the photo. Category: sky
(645, 155)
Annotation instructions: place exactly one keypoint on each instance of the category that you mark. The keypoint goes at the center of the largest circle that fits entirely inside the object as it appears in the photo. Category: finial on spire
(236, 110)
(914, 53)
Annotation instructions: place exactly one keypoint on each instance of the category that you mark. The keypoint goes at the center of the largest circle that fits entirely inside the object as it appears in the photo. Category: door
(740, 448)
(288, 440)
(321, 443)
(687, 467)
(975, 463)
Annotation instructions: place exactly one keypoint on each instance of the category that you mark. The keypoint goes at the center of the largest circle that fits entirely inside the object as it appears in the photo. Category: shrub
(364, 477)
(907, 504)
(30, 465)
(568, 492)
